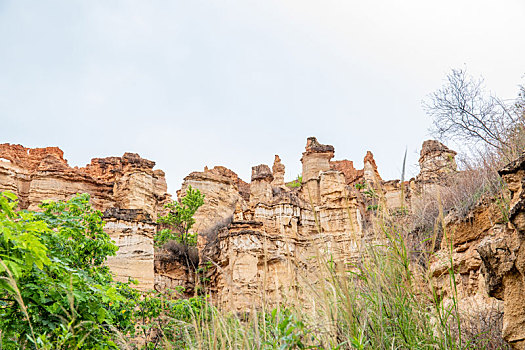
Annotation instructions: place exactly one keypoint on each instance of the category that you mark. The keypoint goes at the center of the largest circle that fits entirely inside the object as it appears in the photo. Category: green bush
(285, 331)
(180, 219)
(55, 291)
(298, 182)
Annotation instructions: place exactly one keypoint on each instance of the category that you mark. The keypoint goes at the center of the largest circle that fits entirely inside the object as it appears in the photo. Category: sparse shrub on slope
(297, 183)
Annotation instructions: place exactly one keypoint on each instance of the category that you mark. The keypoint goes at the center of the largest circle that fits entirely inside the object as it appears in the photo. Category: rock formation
(276, 234)
(273, 236)
(258, 242)
(223, 190)
(126, 189)
(436, 161)
(503, 257)
(278, 172)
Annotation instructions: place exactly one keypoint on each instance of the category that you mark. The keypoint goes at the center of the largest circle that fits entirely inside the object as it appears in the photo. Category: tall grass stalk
(11, 281)
(372, 304)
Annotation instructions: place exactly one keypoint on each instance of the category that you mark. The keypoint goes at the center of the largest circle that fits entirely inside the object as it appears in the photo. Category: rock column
(261, 185)
(315, 160)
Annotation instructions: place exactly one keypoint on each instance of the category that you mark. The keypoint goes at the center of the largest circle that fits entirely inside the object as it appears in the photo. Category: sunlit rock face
(126, 189)
(463, 235)
(274, 237)
(272, 245)
(275, 234)
(261, 185)
(316, 158)
(436, 161)
(278, 170)
(133, 231)
(223, 192)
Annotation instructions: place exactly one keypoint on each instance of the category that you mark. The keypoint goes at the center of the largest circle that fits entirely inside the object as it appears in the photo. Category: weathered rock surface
(271, 243)
(270, 248)
(172, 272)
(504, 258)
(278, 170)
(316, 158)
(351, 174)
(126, 189)
(488, 253)
(436, 160)
(222, 195)
(133, 231)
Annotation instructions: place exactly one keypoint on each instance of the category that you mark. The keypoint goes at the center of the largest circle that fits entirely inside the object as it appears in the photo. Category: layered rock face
(436, 161)
(273, 244)
(503, 257)
(126, 189)
(223, 191)
(487, 249)
(463, 240)
(277, 232)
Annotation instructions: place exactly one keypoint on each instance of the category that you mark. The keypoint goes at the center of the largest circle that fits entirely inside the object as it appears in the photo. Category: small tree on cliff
(180, 219)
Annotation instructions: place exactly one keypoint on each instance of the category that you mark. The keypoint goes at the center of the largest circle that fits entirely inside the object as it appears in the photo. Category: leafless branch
(462, 109)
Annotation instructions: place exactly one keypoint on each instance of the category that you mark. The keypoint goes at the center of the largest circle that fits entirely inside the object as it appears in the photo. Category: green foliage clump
(360, 186)
(66, 296)
(57, 293)
(285, 331)
(163, 319)
(180, 219)
(298, 182)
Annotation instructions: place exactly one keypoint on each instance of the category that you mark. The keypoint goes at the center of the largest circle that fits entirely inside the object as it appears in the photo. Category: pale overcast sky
(194, 83)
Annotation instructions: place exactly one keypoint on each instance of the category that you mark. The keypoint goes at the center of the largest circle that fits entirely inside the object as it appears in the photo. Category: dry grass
(481, 326)
(182, 252)
(380, 302)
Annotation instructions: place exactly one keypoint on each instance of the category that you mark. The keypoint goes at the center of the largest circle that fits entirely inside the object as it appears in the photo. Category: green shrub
(285, 331)
(298, 182)
(180, 219)
(55, 290)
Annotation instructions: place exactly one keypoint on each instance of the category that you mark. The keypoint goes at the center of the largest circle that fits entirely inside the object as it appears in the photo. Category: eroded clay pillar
(436, 161)
(278, 172)
(261, 185)
(316, 159)
(370, 173)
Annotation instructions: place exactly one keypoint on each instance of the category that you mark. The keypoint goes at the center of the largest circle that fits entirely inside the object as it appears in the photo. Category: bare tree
(462, 109)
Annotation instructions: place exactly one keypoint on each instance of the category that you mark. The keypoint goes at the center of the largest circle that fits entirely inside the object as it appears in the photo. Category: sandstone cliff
(277, 230)
(278, 233)
(503, 256)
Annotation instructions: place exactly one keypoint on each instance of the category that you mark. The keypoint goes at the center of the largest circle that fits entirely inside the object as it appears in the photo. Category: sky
(234, 82)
